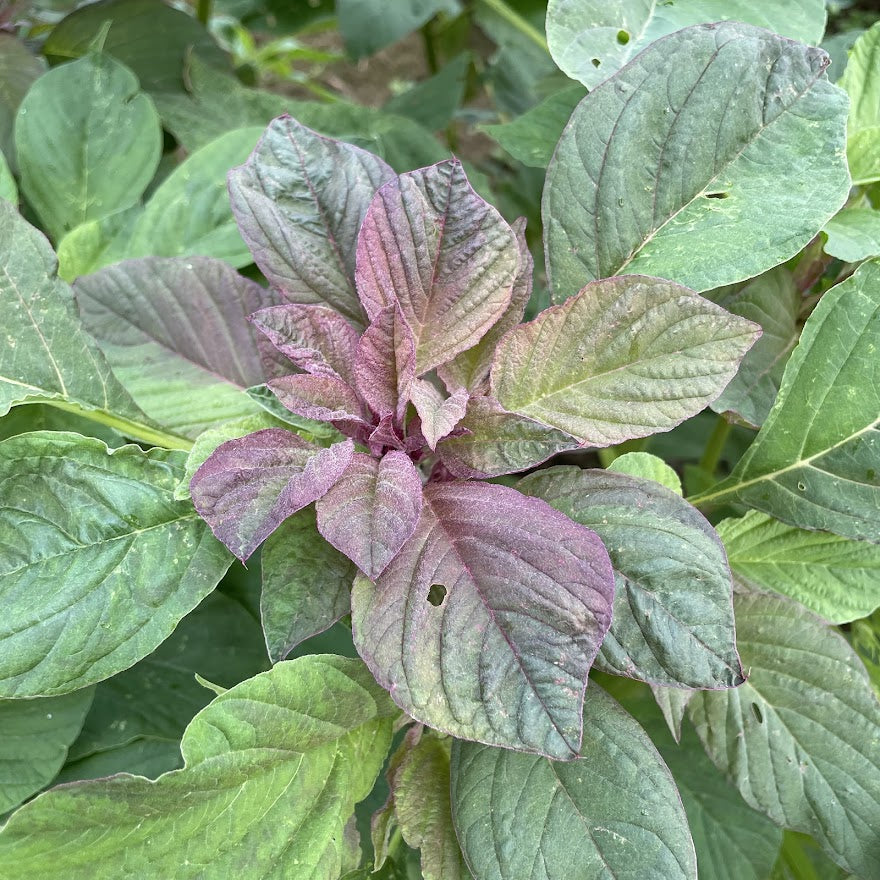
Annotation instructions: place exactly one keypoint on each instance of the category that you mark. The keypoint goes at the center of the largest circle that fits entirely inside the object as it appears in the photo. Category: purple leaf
(371, 512)
(318, 397)
(385, 436)
(385, 363)
(249, 486)
(299, 202)
(438, 414)
(432, 245)
(486, 623)
(317, 339)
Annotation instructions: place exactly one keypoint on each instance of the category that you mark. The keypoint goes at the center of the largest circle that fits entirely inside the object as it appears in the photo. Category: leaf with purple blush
(317, 339)
(318, 397)
(432, 245)
(438, 414)
(250, 485)
(486, 623)
(372, 511)
(299, 202)
(385, 436)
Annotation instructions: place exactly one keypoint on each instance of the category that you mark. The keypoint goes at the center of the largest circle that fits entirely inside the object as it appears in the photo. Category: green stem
(715, 445)
(135, 430)
(203, 11)
(430, 50)
(500, 8)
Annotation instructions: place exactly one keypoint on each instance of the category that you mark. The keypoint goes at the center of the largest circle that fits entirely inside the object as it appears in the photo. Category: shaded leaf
(8, 189)
(369, 25)
(673, 704)
(866, 643)
(438, 414)
(434, 101)
(18, 70)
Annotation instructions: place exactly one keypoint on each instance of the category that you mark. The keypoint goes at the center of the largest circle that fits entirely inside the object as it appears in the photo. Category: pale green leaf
(866, 643)
(87, 142)
(647, 466)
(98, 562)
(861, 79)
(98, 243)
(854, 233)
(273, 769)
(740, 144)
(8, 189)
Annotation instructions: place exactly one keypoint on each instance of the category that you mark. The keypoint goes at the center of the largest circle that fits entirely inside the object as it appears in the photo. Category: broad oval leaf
(87, 142)
(648, 467)
(625, 358)
(299, 201)
(854, 233)
(432, 246)
(800, 738)
(740, 139)
(673, 614)
(814, 463)
(373, 510)
(487, 621)
(250, 485)
(273, 769)
(96, 536)
(861, 80)
(591, 39)
(176, 335)
(613, 812)
(837, 578)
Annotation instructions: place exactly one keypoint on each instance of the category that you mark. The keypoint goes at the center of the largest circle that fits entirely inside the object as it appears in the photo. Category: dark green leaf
(433, 103)
(18, 70)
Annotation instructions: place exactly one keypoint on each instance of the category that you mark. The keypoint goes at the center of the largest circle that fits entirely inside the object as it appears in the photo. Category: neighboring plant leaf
(273, 769)
(249, 486)
(438, 414)
(8, 189)
(673, 704)
(614, 812)
(98, 243)
(147, 36)
(673, 618)
(90, 585)
(861, 79)
(19, 68)
(532, 137)
(486, 623)
(591, 39)
(494, 442)
(432, 246)
(299, 202)
(866, 643)
(814, 464)
(648, 467)
(36, 736)
(143, 757)
(434, 101)
(78, 162)
(801, 859)
(854, 233)
(772, 301)
(836, 578)
(188, 373)
(718, 200)
(306, 584)
(625, 358)
(799, 737)
(189, 212)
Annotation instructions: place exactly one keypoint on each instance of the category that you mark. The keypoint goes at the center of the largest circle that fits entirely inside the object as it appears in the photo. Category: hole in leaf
(720, 195)
(623, 37)
(595, 62)
(756, 711)
(436, 595)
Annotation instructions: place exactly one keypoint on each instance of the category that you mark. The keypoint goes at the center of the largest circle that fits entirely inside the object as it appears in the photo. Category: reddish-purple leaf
(373, 509)
(438, 414)
(299, 202)
(318, 397)
(317, 339)
(249, 486)
(486, 623)
(432, 245)
(385, 436)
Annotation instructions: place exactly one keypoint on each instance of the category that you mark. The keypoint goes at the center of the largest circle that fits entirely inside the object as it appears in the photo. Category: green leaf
(45, 417)
(190, 373)
(147, 36)
(814, 464)
(614, 812)
(673, 619)
(36, 735)
(98, 243)
(773, 301)
(273, 769)
(591, 39)
(18, 70)
(87, 142)
(861, 79)
(648, 467)
(801, 859)
(866, 643)
(854, 233)
(740, 140)
(190, 213)
(316, 432)
(104, 565)
(836, 578)
(799, 739)
(145, 756)
(433, 103)
(306, 584)
(8, 189)
(625, 358)
(531, 138)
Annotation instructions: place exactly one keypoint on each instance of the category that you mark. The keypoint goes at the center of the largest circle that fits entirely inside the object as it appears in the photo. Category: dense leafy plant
(483, 601)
